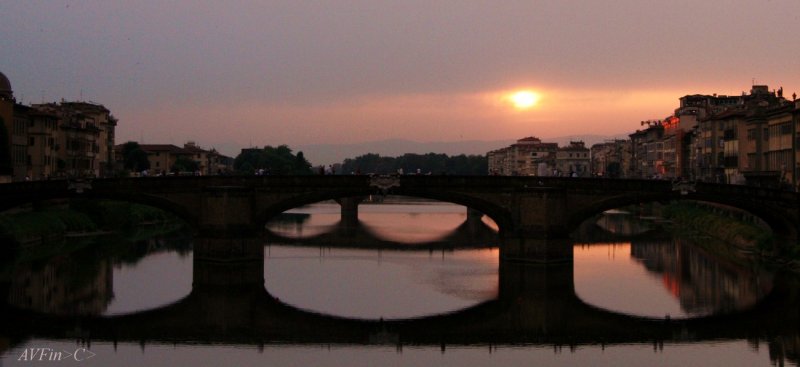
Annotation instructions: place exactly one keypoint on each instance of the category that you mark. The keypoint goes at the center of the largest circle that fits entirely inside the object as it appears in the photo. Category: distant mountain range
(319, 154)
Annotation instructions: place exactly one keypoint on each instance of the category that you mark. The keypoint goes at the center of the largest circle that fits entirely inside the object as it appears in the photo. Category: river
(402, 273)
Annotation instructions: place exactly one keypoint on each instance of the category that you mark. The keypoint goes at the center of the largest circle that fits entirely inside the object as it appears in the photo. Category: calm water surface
(648, 276)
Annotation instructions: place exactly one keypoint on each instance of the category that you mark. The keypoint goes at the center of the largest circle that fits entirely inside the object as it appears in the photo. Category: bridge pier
(227, 211)
(349, 217)
(541, 297)
(539, 230)
(536, 249)
(228, 262)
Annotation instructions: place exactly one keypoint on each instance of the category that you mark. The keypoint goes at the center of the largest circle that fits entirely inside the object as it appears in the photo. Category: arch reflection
(104, 276)
(535, 304)
(659, 275)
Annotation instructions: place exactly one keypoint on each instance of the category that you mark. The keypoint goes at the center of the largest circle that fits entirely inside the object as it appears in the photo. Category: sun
(523, 99)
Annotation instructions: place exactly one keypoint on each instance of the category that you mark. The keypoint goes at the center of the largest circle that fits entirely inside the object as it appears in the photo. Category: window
(31, 141)
(751, 160)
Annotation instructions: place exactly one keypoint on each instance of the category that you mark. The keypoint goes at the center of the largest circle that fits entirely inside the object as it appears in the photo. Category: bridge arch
(782, 226)
(494, 211)
(179, 210)
(498, 214)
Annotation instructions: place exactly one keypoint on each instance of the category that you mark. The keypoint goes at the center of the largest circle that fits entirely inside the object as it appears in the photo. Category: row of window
(779, 160)
(782, 129)
(50, 142)
(774, 130)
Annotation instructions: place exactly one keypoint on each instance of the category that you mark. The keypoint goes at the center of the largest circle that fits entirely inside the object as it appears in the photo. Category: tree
(134, 158)
(301, 165)
(434, 163)
(273, 160)
(183, 164)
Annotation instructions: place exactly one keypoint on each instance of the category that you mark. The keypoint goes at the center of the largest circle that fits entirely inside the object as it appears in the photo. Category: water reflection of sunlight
(412, 223)
(381, 284)
(490, 223)
(306, 221)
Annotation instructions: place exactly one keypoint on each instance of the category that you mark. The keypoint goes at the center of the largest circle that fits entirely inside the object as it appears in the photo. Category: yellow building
(85, 137)
(163, 156)
(54, 139)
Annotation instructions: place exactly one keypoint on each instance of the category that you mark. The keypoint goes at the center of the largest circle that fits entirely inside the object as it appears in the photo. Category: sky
(262, 72)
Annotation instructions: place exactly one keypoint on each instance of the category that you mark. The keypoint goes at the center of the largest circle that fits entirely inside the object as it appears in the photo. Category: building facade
(573, 160)
(527, 157)
(85, 138)
(612, 159)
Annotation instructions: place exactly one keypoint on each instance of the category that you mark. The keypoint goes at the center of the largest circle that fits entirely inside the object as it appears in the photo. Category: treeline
(409, 163)
(271, 161)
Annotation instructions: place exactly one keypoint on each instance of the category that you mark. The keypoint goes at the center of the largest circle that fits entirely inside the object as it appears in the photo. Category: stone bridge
(534, 214)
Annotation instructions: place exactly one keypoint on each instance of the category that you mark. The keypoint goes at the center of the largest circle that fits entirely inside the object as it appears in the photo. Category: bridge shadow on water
(536, 305)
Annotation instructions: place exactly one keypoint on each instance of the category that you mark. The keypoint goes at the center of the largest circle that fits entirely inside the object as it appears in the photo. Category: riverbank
(77, 218)
(731, 234)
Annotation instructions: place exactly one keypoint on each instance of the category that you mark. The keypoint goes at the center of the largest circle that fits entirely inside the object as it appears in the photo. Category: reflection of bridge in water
(536, 304)
(352, 233)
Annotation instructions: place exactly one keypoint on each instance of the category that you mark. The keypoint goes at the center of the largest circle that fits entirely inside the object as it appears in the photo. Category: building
(612, 159)
(717, 149)
(86, 133)
(573, 160)
(162, 157)
(724, 139)
(527, 157)
(729, 141)
(66, 139)
(209, 162)
(647, 150)
(779, 145)
(13, 151)
(42, 160)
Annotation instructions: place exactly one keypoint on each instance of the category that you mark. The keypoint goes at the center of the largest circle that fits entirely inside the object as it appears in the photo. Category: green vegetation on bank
(118, 215)
(30, 225)
(81, 216)
(735, 239)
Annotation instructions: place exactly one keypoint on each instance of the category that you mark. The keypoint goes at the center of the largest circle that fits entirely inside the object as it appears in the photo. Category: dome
(5, 87)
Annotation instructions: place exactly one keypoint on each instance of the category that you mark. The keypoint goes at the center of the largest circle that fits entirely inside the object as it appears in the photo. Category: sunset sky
(309, 72)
